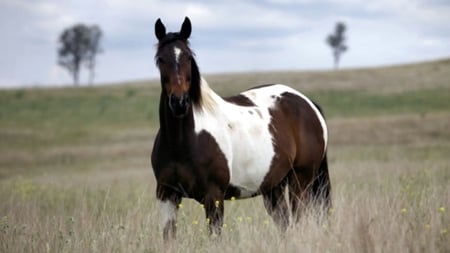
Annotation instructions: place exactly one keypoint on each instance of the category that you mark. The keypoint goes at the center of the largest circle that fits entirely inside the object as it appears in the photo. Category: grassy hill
(75, 174)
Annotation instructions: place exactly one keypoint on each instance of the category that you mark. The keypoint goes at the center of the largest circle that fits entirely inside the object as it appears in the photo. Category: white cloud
(227, 35)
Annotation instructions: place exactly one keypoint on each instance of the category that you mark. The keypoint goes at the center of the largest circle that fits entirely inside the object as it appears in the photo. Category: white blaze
(177, 53)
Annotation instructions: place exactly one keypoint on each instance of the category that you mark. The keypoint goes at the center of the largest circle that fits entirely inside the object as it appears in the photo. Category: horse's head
(180, 78)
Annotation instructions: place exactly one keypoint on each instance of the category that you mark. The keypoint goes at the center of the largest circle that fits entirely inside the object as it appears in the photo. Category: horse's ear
(186, 28)
(160, 30)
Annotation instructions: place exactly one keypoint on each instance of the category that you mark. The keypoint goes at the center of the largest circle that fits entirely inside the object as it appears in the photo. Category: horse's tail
(321, 187)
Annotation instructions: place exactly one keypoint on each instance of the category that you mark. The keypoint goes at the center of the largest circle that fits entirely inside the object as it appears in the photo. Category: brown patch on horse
(187, 173)
(293, 119)
(305, 121)
(240, 100)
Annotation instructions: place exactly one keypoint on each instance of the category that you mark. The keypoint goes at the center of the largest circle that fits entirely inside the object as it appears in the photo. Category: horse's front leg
(169, 202)
(276, 206)
(214, 210)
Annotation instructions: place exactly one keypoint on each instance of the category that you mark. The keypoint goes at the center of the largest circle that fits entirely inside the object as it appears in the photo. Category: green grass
(75, 172)
(85, 106)
(76, 118)
(359, 103)
(78, 109)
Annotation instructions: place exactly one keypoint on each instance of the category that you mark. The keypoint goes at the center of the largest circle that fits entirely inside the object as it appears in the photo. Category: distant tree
(79, 44)
(94, 49)
(337, 42)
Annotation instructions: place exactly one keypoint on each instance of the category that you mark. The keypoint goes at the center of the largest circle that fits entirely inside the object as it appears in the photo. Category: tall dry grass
(401, 215)
(386, 198)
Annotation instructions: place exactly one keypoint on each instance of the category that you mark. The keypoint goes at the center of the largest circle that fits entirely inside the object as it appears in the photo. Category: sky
(227, 36)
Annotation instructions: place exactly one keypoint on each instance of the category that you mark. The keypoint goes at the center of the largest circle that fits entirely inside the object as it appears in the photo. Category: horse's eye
(164, 79)
(159, 60)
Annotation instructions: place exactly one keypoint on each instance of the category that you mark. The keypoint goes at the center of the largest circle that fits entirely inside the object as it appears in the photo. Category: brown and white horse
(211, 148)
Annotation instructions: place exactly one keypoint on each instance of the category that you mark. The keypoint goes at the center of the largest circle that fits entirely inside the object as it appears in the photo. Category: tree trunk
(76, 73)
(336, 60)
(91, 72)
(76, 70)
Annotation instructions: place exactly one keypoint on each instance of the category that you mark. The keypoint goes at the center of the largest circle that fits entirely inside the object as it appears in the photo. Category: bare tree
(337, 42)
(79, 44)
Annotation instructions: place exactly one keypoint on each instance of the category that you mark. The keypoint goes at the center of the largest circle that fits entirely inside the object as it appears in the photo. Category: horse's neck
(210, 100)
(175, 131)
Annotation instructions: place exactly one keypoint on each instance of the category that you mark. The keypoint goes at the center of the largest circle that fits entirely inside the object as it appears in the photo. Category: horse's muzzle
(179, 105)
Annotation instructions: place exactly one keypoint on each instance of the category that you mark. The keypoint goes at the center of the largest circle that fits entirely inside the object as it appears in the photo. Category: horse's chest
(246, 143)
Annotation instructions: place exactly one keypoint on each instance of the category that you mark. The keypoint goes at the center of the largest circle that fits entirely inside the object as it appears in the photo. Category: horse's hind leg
(300, 191)
(276, 206)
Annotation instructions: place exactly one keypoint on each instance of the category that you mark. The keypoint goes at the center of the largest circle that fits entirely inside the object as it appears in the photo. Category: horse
(212, 149)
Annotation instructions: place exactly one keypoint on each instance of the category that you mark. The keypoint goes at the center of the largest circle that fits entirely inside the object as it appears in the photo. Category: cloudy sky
(228, 36)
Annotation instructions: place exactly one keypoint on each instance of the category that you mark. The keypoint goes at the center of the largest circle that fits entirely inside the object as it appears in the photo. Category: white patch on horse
(168, 211)
(248, 148)
(177, 53)
(264, 97)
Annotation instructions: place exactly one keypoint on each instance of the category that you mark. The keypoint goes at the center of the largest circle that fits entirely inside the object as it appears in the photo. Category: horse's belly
(252, 157)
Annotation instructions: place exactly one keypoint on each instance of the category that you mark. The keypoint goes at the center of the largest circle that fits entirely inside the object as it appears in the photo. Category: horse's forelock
(172, 37)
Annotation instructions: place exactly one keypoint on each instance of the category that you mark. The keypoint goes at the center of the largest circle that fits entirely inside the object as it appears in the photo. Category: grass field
(75, 173)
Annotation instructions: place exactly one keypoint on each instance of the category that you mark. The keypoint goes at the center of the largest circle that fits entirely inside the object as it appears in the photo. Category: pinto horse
(212, 149)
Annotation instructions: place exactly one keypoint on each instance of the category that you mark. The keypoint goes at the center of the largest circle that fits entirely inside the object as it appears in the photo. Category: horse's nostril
(173, 100)
(182, 101)
(179, 105)
(187, 100)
